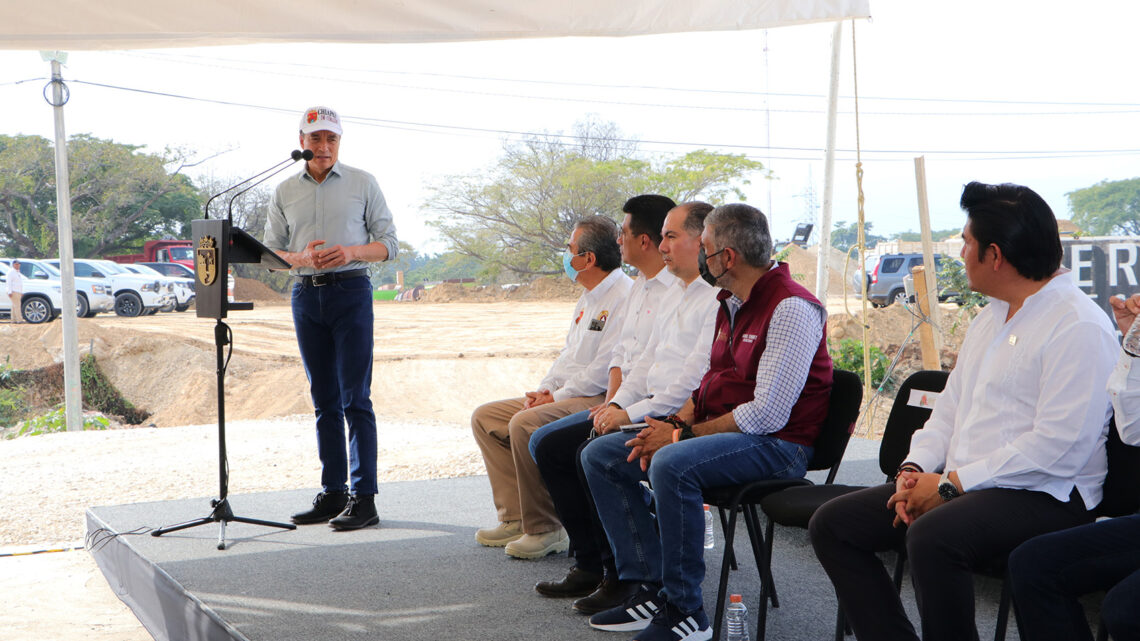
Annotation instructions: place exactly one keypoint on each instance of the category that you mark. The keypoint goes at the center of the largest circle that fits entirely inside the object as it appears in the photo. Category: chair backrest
(905, 418)
(1122, 483)
(842, 410)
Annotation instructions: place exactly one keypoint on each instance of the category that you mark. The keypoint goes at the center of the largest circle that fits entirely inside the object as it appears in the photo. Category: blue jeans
(334, 331)
(1049, 572)
(674, 558)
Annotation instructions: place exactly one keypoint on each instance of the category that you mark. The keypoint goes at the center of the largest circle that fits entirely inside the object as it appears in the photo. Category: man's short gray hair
(599, 236)
(743, 228)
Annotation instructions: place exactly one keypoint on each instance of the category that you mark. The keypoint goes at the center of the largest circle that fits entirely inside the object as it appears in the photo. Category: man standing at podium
(329, 221)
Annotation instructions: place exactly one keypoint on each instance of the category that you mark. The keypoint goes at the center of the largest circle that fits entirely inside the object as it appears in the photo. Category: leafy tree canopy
(935, 234)
(846, 235)
(119, 196)
(1108, 208)
(517, 214)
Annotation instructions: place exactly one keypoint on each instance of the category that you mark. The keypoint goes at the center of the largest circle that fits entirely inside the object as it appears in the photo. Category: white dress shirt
(672, 365)
(647, 300)
(582, 367)
(1124, 389)
(1026, 405)
(15, 282)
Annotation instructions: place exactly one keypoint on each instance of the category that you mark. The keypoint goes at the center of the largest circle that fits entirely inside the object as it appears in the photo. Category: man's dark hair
(647, 215)
(1019, 222)
(743, 228)
(695, 214)
(599, 236)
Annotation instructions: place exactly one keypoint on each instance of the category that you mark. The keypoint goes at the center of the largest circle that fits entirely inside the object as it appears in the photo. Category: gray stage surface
(420, 575)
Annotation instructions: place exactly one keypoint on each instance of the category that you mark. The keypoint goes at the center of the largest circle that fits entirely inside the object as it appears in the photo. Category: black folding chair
(843, 409)
(795, 506)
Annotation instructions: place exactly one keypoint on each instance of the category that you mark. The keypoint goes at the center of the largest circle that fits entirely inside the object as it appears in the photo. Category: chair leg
(767, 590)
(900, 563)
(840, 621)
(769, 536)
(1003, 612)
(729, 535)
(731, 557)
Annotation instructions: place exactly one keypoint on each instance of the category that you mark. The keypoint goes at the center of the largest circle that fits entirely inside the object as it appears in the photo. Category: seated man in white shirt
(660, 381)
(1013, 448)
(528, 525)
(1048, 574)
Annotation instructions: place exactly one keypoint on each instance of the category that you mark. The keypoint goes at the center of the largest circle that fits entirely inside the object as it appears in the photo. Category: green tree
(935, 235)
(846, 235)
(1108, 207)
(119, 196)
(517, 214)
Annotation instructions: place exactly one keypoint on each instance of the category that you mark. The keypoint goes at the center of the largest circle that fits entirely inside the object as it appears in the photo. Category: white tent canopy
(70, 25)
(147, 24)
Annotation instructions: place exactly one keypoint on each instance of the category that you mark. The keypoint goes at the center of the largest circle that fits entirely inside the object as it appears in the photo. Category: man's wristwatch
(946, 488)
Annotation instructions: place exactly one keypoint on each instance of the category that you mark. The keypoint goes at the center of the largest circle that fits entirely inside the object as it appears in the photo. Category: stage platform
(420, 575)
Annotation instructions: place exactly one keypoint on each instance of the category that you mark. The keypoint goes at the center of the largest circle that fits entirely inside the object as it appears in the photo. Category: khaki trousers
(16, 315)
(502, 429)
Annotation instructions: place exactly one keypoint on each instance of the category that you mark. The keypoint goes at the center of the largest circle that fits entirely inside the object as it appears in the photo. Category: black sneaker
(360, 512)
(325, 506)
(635, 614)
(610, 594)
(670, 624)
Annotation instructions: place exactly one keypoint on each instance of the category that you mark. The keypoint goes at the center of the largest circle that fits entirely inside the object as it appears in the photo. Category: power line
(1127, 108)
(643, 87)
(408, 125)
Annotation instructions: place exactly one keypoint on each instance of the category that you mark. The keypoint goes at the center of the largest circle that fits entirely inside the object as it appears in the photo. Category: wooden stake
(930, 356)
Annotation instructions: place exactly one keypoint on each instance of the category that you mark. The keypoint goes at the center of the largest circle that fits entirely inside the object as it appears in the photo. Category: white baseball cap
(320, 119)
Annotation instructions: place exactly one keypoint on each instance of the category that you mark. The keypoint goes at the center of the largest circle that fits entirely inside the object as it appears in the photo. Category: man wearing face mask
(754, 416)
(575, 382)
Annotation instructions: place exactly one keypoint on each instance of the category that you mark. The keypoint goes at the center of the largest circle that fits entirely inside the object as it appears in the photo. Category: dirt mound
(889, 327)
(543, 288)
(802, 263)
(248, 289)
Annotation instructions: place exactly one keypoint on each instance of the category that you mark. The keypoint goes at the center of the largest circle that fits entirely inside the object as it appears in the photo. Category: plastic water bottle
(710, 542)
(736, 619)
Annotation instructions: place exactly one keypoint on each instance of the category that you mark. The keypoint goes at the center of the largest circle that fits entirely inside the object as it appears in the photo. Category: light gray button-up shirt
(348, 208)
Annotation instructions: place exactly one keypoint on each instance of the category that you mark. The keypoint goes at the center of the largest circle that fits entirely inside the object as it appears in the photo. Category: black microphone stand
(222, 513)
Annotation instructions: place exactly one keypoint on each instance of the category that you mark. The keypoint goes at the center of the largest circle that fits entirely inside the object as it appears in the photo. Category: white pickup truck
(42, 300)
(134, 294)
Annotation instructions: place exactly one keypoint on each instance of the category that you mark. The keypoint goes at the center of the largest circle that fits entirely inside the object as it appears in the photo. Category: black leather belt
(320, 280)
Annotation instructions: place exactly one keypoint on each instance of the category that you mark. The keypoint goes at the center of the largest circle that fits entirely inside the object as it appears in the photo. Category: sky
(1037, 93)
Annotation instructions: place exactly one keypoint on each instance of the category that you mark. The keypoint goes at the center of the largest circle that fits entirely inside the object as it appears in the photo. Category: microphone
(294, 156)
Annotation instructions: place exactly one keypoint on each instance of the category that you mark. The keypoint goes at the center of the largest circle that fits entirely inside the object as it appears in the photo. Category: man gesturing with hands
(330, 221)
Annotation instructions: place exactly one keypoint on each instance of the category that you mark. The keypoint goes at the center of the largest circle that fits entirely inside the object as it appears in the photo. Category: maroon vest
(731, 378)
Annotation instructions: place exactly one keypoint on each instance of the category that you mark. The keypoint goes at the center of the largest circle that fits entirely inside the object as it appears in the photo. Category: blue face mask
(571, 273)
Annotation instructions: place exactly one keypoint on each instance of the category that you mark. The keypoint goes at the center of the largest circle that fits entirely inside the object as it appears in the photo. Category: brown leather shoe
(577, 582)
(610, 594)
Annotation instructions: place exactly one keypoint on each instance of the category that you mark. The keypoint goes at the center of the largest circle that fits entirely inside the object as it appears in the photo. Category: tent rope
(868, 421)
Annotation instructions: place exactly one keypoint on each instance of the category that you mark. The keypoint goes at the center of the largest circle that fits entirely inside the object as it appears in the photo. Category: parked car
(179, 270)
(42, 300)
(134, 294)
(93, 295)
(886, 278)
(182, 288)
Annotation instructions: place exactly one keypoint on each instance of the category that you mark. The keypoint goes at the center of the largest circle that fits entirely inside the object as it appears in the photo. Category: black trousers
(558, 456)
(944, 546)
(1049, 573)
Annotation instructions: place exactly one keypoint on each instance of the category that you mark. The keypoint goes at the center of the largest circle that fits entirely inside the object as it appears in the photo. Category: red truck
(161, 251)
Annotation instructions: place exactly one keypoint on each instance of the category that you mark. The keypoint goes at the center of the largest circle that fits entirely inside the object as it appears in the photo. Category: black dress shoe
(325, 506)
(610, 594)
(360, 512)
(577, 582)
